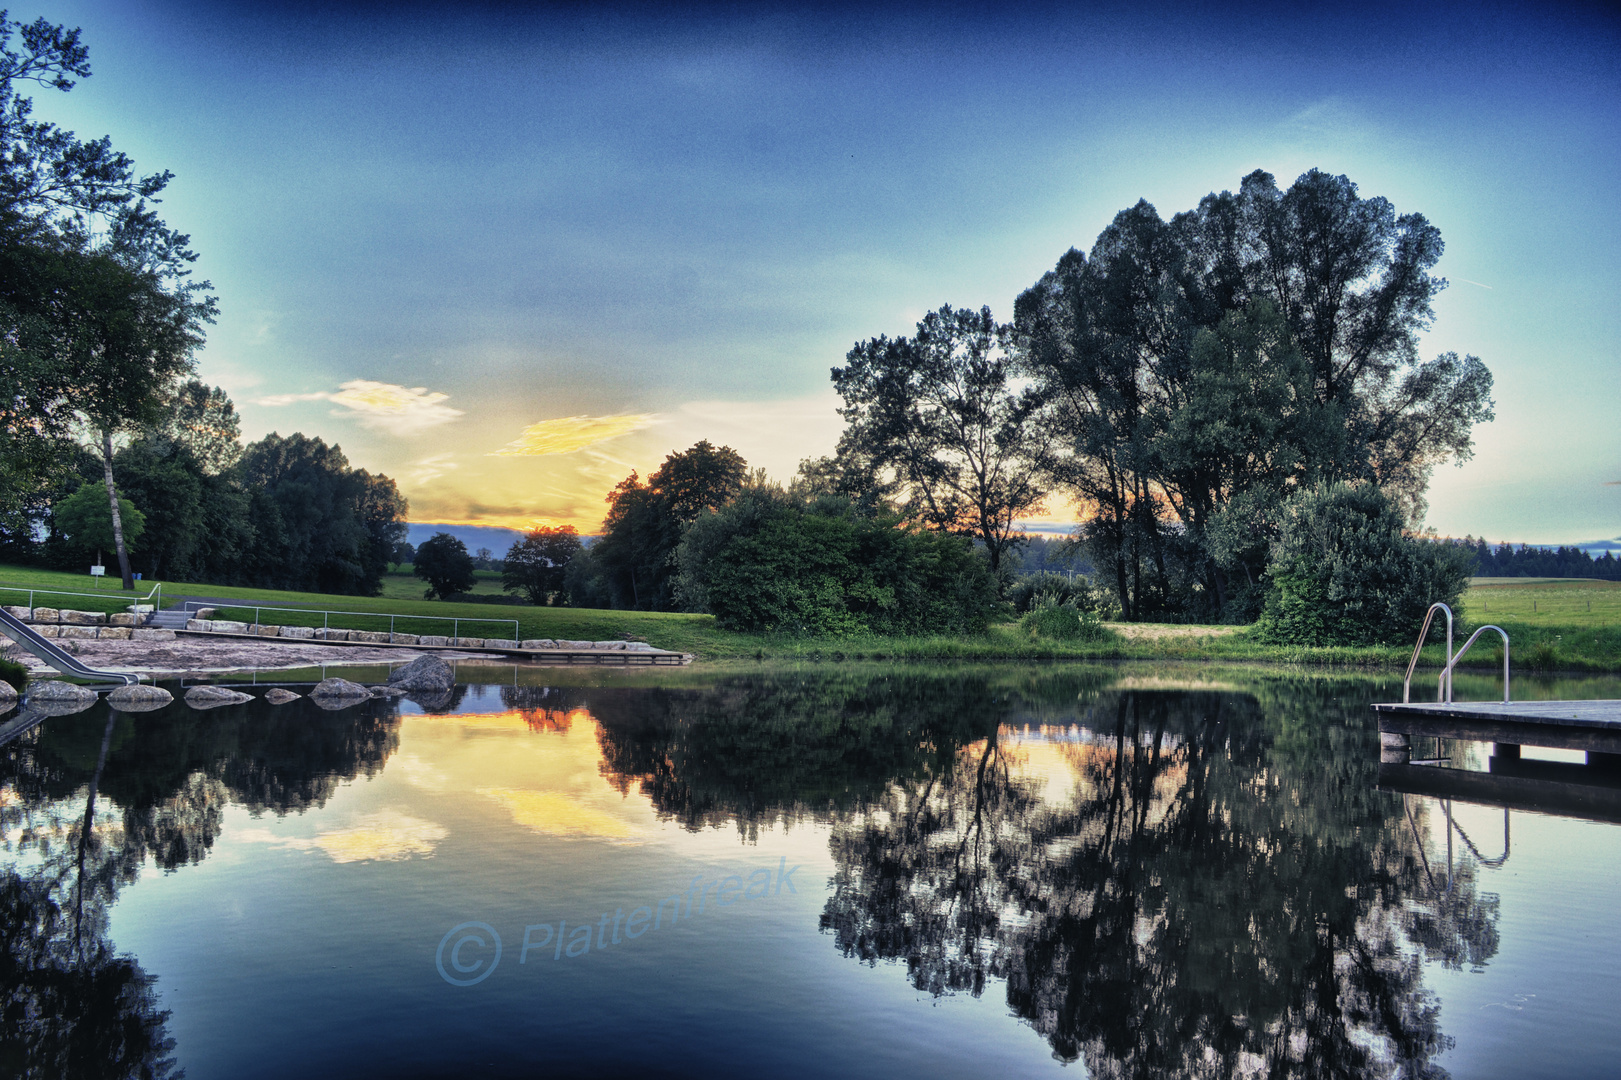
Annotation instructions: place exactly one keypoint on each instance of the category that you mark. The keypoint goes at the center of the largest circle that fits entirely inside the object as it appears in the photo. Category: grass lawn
(1560, 634)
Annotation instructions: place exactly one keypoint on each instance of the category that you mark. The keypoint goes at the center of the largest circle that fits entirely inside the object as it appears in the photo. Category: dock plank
(1564, 725)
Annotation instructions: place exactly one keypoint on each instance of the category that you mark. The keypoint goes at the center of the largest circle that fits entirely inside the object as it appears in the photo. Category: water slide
(54, 655)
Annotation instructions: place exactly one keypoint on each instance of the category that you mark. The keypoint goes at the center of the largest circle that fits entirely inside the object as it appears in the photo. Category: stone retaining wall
(382, 637)
(120, 626)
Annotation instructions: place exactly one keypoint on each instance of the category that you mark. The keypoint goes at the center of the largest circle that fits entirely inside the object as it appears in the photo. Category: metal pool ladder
(1443, 689)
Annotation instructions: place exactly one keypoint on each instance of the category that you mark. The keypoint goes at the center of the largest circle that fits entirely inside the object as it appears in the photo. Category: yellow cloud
(393, 408)
(567, 434)
(555, 814)
(399, 410)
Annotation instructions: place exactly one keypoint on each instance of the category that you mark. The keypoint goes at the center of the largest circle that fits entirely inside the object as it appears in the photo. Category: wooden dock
(1593, 726)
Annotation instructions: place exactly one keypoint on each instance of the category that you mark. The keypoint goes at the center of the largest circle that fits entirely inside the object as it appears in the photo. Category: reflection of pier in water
(1552, 787)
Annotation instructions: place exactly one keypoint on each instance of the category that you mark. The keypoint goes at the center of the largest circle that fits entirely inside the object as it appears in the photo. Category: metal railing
(1447, 673)
(1444, 691)
(1443, 686)
(155, 596)
(326, 618)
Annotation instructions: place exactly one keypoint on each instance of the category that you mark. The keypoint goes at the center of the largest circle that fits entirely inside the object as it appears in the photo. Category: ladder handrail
(1443, 693)
(1446, 673)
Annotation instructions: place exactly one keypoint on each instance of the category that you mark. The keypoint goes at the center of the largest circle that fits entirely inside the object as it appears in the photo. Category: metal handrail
(134, 606)
(1446, 673)
(1444, 692)
(326, 616)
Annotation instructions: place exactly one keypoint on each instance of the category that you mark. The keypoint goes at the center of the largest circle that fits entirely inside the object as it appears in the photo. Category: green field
(1543, 602)
(1560, 634)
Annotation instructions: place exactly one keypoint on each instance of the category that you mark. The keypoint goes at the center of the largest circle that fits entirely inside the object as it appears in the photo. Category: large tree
(320, 525)
(944, 414)
(633, 562)
(97, 310)
(535, 564)
(1199, 370)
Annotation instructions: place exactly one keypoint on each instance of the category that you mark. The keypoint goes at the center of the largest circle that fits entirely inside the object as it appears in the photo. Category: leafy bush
(1343, 573)
(13, 673)
(1063, 619)
(1064, 589)
(825, 570)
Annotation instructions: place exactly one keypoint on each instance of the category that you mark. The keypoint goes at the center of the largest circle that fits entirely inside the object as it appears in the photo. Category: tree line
(1234, 398)
(1506, 560)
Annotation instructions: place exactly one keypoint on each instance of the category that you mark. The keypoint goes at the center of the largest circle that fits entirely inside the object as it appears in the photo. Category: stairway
(173, 619)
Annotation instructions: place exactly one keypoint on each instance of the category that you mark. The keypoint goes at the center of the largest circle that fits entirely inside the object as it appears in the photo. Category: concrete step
(169, 620)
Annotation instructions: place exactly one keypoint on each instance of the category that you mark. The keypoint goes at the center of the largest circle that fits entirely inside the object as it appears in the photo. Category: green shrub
(1077, 591)
(815, 570)
(13, 673)
(1060, 618)
(1343, 572)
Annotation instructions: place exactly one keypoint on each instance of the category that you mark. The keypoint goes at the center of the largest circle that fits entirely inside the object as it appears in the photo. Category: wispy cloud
(1466, 281)
(276, 400)
(386, 836)
(568, 434)
(393, 408)
(431, 468)
(398, 410)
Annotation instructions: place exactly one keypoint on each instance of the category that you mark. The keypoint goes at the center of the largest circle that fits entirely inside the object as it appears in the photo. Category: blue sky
(507, 253)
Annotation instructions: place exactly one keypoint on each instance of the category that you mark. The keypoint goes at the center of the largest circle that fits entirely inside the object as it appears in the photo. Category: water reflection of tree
(69, 1005)
(757, 750)
(1223, 892)
(90, 798)
(546, 708)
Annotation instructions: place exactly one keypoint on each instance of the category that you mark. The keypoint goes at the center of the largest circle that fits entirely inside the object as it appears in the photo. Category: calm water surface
(835, 870)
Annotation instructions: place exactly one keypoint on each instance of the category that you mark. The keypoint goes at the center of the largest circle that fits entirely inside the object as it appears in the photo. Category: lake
(823, 870)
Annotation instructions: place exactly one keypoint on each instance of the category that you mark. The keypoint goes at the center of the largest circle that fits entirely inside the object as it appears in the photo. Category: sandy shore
(196, 656)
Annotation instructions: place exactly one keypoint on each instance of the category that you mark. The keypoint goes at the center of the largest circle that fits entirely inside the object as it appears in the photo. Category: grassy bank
(1567, 625)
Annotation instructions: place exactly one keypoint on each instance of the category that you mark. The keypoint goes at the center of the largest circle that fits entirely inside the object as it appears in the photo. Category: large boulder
(339, 688)
(55, 698)
(425, 673)
(47, 615)
(228, 626)
(55, 690)
(330, 634)
(8, 693)
(300, 632)
(142, 633)
(281, 696)
(84, 618)
(212, 697)
(139, 698)
(500, 643)
(539, 643)
(121, 618)
(113, 633)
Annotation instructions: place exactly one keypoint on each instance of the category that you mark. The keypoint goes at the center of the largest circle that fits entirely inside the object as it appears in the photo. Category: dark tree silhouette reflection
(88, 798)
(1220, 890)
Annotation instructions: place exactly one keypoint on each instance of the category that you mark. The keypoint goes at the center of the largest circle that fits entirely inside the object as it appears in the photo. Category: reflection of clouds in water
(560, 815)
(386, 836)
(421, 774)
